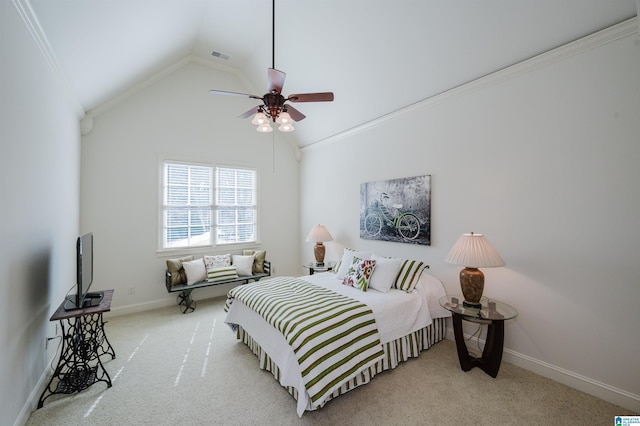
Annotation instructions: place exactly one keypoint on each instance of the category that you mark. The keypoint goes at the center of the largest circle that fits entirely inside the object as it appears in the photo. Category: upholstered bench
(185, 274)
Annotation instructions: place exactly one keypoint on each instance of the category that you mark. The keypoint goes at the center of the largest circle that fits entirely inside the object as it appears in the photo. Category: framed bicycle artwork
(397, 210)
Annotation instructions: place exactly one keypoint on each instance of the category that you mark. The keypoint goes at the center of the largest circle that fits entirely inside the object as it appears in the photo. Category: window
(236, 205)
(187, 205)
(189, 212)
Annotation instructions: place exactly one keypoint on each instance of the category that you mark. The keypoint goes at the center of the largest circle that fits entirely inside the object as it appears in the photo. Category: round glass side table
(316, 267)
(493, 313)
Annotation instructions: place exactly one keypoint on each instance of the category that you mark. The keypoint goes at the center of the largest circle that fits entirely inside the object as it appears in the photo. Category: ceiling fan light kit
(284, 118)
(259, 118)
(264, 127)
(273, 103)
(286, 128)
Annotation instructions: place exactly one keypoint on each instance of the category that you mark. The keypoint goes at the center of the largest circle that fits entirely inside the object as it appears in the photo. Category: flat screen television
(84, 276)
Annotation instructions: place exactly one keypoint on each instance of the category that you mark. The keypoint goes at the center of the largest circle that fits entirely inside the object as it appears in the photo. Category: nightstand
(314, 267)
(493, 313)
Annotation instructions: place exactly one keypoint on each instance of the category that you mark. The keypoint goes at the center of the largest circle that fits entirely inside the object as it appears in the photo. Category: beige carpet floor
(175, 369)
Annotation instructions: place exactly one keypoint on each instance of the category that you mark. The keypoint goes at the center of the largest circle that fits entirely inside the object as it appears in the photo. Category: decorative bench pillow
(195, 271)
(221, 273)
(174, 266)
(259, 257)
(243, 264)
(217, 261)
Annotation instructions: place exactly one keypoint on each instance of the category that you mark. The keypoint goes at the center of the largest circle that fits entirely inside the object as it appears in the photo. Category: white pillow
(385, 273)
(347, 258)
(243, 264)
(195, 271)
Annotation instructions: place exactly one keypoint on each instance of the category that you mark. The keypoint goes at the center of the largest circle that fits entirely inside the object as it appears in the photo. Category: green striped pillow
(409, 275)
(221, 273)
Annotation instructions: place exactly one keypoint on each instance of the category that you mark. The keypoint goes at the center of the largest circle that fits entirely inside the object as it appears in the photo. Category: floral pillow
(217, 261)
(347, 258)
(359, 273)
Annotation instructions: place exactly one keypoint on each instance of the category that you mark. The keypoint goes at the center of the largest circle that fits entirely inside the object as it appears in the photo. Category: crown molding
(592, 41)
(25, 11)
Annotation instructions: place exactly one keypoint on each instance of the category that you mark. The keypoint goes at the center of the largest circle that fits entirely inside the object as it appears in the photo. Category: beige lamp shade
(319, 233)
(473, 251)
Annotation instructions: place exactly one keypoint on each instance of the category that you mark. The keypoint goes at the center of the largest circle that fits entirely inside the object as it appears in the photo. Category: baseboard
(156, 304)
(611, 394)
(34, 397)
(140, 307)
(582, 383)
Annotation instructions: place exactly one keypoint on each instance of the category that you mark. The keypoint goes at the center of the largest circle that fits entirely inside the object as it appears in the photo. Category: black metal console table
(83, 343)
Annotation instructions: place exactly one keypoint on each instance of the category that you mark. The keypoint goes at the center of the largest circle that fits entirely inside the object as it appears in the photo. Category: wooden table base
(492, 353)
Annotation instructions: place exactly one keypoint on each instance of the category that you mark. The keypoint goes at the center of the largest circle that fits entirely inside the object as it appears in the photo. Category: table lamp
(319, 234)
(473, 251)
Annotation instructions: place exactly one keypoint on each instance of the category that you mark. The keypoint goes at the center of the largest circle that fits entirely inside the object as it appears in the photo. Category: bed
(391, 326)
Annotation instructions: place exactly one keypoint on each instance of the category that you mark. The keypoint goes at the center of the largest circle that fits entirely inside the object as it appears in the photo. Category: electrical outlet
(132, 289)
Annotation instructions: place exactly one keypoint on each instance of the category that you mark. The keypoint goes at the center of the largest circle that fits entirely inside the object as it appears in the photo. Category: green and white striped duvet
(333, 336)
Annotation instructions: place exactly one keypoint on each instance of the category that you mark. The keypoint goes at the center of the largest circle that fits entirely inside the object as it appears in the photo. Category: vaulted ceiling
(377, 56)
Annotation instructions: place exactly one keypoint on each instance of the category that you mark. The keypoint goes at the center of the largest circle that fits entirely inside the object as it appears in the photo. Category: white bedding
(397, 314)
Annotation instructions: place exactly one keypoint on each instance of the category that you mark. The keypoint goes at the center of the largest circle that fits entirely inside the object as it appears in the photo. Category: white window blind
(187, 205)
(236, 206)
(190, 211)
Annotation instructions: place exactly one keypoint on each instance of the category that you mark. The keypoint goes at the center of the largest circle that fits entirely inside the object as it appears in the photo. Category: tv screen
(84, 254)
(84, 276)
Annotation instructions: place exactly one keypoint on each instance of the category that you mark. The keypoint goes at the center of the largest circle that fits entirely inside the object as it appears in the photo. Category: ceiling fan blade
(222, 92)
(312, 97)
(294, 113)
(275, 80)
(250, 113)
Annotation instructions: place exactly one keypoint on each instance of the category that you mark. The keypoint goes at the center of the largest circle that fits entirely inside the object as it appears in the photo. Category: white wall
(40, 146)
(545, 163)
(176, 118)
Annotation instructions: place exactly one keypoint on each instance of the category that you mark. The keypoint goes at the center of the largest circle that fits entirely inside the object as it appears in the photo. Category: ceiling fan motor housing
(274, 103)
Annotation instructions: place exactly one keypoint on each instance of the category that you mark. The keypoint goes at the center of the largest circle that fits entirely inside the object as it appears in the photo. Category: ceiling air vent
(220, 55)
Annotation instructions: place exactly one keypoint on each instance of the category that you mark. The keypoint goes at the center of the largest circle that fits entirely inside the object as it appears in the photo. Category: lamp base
(472, 285)
(472, 305)
(318, 252)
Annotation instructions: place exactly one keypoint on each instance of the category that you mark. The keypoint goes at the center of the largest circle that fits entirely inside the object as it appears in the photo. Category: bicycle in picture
(404, 221)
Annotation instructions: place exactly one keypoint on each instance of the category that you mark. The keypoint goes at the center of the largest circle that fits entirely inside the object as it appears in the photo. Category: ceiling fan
(274, 104)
